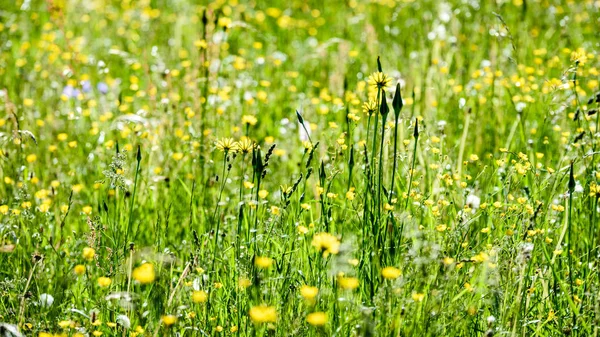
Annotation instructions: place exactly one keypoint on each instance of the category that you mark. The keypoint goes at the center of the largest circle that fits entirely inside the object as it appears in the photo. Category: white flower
(9, 330)
(123, 321)
(46, 300)
(473, 201)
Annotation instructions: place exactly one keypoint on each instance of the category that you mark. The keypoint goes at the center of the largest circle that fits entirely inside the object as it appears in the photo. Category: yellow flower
(317, 318)
(104, 281)
(144, 274)
(31, 158)
(249, 119)
(390, 273)
(418, 297)
(348, 283)
(4, 209)
(350, 194)
(263, 194)
(263, 262)
(177, 156)
(169, 320)
(226, 145)
(199, 296)
(244, 282)
(79, 269)
(326, 243)
(369, 107)
(88, 253)
(379, 80)
(87, 210)
(263, 314)
(245, 145)
(309, 292)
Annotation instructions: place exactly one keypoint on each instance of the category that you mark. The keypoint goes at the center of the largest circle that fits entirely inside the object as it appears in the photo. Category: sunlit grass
(299, 168)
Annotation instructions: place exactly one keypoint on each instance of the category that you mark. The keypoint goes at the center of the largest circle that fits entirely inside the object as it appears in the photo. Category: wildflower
(448, 261)
(87, 210)
(31, 158)
(348, 283)
(263, 262)
(473, 202)
(46, 300)
(326, 243)
(263, 194)
(245, 145)
(370, 107)
(79, 269)
(88, 253)
(379, 80)
(123, 321)
(144, 274)
(249, 119)
(309, 292)
(418, 297)
(169, 320)
(226, 145)
(104, 281)
(274, 210)
(317, 318)
(199, 296)
(350, 194)
(263, 314)
(244, 282)
(177, 156)
(390, 273)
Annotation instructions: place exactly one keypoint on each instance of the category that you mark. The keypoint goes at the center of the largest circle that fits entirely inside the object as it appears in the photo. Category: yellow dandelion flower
(79, 269)
(144, 274)
(245, 145)
(370, 107)
(263, 314)
(379, 80)
(104, 281)
(169, 320)
(418, 297)
(348, 283)
(326, 243)
(390, 273)
(227, 145)
(317, 318)
(88, 253)
(249, 119)
(309, 292)
(263, 262)
(87, 210)
(199, 296)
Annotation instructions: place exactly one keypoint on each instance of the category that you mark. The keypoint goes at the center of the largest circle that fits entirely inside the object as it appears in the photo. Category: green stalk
(412, 166)
(135, 183)
(384, 113)
(569, 237)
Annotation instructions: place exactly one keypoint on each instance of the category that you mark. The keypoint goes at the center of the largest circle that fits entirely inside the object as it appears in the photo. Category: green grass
(480, 190)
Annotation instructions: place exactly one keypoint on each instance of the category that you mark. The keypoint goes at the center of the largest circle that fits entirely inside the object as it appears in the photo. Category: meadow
(299, 168)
